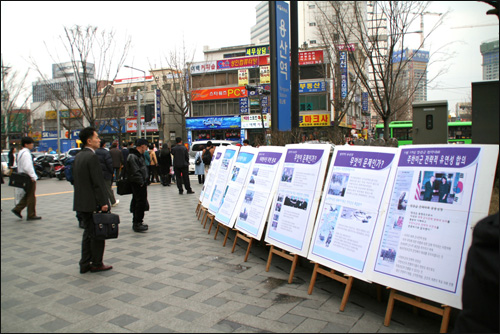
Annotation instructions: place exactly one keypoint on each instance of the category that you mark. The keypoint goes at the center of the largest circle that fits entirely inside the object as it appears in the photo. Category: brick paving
(173, 278)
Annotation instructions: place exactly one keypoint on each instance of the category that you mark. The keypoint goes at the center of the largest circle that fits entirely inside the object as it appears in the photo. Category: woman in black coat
(165, 162)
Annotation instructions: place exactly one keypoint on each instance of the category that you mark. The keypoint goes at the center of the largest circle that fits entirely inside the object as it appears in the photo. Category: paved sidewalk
(173, 278)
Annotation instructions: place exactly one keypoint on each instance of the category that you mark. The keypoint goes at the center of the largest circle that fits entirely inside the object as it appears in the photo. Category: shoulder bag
(20, 180)
(106, 225)
(123, 186)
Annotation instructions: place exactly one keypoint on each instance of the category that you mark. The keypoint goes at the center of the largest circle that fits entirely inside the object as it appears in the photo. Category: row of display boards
(400, 217)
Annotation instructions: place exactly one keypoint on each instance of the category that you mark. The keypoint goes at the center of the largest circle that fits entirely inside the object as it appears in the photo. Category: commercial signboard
(314, 120)
(254, 121)
(282, 47)
(312, 87)
(232, 63)
(265, 74)
(242, 77)
(132, 125)
(218, 93)
(343, 74)
(133, 80)
(311, 57)
(257, 50)
(212, 123)
(203, 67)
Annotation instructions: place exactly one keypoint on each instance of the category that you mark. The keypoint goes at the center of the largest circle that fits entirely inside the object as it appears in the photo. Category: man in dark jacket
(90, 195)
(107, 170)
(181, 166)
(165, 162)
(137, 175)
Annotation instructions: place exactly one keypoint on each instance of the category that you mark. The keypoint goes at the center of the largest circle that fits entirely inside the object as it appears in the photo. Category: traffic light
(148, 112)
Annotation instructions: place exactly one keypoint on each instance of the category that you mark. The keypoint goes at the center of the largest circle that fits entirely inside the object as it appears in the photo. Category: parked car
(5, 163)
(196, 146)
(72, 152)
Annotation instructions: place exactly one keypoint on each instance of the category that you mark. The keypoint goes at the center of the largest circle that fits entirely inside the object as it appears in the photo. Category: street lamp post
(139, 103)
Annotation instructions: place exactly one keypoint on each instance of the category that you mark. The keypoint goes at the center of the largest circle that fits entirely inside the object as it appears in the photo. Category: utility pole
(139, 102)
(5, 104)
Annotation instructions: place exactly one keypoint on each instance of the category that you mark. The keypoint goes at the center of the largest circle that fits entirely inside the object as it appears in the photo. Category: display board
(223, 172)
(352, 205)
(293, 211)
(228, 210)
(439, 193)
(212, 175)
(257, 195)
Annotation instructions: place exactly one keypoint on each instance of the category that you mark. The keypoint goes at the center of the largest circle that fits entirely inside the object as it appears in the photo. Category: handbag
(20, 180)
(106, 225)
(123, 187)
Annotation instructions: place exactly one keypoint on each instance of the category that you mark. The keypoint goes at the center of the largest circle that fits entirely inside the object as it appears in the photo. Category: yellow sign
(265, 74)
(314, 120)
(242, 78)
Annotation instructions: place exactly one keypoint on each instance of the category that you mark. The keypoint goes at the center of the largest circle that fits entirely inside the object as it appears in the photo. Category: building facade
(489, 51)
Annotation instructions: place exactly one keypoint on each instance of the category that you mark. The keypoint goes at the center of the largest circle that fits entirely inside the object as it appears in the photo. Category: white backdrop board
(228, 210)
(223, 172)
(293, 212)
(352, 205)
(423, 243)
(212, 174)
(259, 190)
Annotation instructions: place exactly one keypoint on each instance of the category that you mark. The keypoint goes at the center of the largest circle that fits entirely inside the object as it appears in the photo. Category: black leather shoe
(190, 192)
(140, 228)
(181, 192)
(84, 269)
(17, 213)
(34, 218)
(101, 268)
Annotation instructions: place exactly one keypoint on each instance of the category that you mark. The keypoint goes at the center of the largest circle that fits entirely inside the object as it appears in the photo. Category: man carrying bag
(25, 165)
(90, 195)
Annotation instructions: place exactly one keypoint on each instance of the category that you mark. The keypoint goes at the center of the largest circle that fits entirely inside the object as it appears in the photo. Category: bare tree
(95, 60)
(382, 41)
(173, 81)
(16, 115)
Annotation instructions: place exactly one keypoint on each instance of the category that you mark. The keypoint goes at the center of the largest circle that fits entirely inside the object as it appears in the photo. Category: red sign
(311, 57)
(218, 93)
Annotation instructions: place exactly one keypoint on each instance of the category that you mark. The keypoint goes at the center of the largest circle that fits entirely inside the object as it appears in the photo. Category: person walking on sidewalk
(117, 157)
(25, 165)
(153, 166)
(137, 175)
(90, 195)
(165, 162)
(107, 170)
(199, 168)
(181, 166)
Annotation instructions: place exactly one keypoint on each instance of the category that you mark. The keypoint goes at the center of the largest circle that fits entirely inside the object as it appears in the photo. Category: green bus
(458, 132)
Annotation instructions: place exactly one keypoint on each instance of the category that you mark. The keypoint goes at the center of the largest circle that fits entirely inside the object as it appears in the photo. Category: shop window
(311, 72)
(312, 102)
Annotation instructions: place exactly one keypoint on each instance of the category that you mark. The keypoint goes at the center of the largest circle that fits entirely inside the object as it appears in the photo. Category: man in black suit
(90, 195)
(429, 189)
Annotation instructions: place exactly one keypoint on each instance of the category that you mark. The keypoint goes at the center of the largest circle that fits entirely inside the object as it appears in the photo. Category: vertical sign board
(284, 121)
(352, 205)
(343, 74)
(439, 193)
(228, 210)
(225, 168)
(295, 204)
(255, 201)
(212, 175)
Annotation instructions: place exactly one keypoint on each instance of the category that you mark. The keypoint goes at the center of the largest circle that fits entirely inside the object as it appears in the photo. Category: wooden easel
(244, 238)
(284, 254)
(206, 218)
(444, 310)
(198, 207)
(227, 232)
(347, 280)
(201, 213)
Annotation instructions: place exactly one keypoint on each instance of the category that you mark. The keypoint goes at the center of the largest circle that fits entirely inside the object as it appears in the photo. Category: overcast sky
(158, 27)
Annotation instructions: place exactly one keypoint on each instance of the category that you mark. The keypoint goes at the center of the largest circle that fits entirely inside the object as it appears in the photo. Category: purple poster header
(268, 158)
(217, 157)
(364, 160)
(304, 156)
(453, 157)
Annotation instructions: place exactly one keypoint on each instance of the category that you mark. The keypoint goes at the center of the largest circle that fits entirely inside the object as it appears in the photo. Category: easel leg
(248, 249)
(269, 258)
(294, 265)
(313, 278)
(225, 238)
(211, 223)
(347, 292)
(234, 243)
(390, 308)
(446, 319)
(216, 231)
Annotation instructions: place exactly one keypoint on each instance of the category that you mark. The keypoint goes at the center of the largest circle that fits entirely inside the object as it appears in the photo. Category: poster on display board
(212, 175)
(293, 211)
(223, 172)
(228, 210)
(254, 203)
(352, 205)
(439, 193)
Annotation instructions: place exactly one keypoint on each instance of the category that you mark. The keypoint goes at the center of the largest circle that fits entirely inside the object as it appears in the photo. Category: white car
(5, 163)
(196, 146)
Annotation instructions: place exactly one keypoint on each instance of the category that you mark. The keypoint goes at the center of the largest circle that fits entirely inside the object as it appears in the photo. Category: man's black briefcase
(106, 225)
(20, 180)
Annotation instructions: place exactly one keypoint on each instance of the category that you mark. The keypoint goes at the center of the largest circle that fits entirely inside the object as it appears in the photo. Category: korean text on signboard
(284, 122)
(218, 93)
(343, 74)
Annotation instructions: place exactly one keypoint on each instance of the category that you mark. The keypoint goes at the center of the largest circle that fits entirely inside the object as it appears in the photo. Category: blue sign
(284, 121)
(312, 87)
(110, 126)
(213, 123)
(244, 105)
(364, 101)
(343, 74)
(158, 106)
(413, 55)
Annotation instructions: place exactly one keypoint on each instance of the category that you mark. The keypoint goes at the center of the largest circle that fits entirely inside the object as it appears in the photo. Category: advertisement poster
(438, 194)
(352, 201)
(293, 210)
(228, 210)
(259, 189)
(219, 187)
(212, 175)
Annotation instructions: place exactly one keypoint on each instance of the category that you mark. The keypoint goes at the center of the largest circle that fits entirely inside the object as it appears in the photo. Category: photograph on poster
(398, 224)
(278, 207)
(441, 187)
(255, 172)
(355, 215)
(274, 225)
(296, 202)
(328, 224)
(403, 200)
(249, 196)
(338, 184)
(287, 174)
(244, 214)
(252, 180)
(276, 217)
(388, 255)
(236, 171)
(225, 163)
(213, 193)
(280, 198)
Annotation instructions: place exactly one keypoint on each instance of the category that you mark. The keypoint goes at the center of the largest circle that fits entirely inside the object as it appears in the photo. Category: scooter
(59, 172)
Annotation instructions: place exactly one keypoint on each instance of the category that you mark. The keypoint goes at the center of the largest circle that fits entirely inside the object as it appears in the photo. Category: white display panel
(225, 167)
(212, 175)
